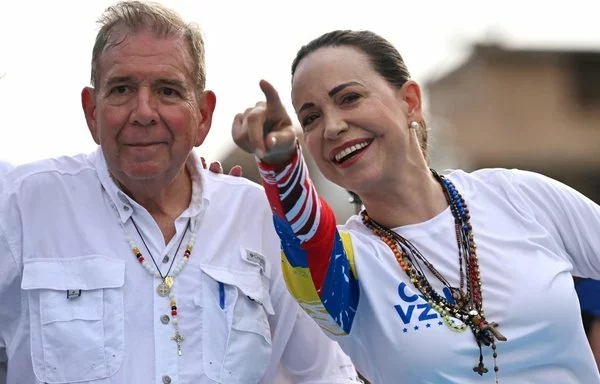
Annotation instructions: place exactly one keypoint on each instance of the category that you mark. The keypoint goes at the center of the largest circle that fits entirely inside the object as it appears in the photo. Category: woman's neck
(418, 198)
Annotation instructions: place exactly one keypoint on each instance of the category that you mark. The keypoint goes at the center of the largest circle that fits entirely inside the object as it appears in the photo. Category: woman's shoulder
(512, 179)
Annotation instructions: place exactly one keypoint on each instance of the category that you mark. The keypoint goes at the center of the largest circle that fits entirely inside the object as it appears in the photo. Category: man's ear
(88, 103)
(206, 105)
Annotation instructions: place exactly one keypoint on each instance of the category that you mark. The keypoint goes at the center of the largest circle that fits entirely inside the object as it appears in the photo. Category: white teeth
(350, 150)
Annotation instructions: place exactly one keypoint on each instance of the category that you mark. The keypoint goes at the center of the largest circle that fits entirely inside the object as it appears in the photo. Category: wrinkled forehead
(322, 70)
(146, 47)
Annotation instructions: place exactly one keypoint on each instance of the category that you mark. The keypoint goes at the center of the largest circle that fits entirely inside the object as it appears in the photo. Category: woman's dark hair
(383, 56)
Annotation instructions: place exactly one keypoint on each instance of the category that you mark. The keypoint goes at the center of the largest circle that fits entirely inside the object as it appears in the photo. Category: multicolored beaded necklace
(467, 306)
(165, 288)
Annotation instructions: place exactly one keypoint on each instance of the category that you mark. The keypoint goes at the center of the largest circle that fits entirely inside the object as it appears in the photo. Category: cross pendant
(178, 339)
(480, 369)
(491, 327)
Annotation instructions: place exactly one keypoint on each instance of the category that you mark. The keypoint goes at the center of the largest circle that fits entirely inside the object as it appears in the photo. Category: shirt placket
(165, 346)
(167, 357)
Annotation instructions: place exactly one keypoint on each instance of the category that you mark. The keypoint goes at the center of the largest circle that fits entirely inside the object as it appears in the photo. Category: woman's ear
(411, 95)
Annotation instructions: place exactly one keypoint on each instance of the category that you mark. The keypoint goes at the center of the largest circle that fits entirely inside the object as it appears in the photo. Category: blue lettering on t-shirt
(422, 311)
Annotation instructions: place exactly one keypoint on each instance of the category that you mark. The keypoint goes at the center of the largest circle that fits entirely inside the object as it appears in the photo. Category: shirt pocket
(236, 331)
(76, 317)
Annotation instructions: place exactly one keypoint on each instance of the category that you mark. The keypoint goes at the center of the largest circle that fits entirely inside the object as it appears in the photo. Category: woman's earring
(414, 125)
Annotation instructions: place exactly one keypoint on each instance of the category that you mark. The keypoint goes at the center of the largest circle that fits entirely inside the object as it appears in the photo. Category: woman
(461, 278)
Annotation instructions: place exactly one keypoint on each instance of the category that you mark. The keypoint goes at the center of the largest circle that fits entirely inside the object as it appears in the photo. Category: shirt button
(165, 319)
(166, 259)
(166, 379)
(126, 207)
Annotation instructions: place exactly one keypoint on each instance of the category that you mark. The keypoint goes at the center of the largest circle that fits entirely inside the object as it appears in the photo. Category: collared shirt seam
(18, 267)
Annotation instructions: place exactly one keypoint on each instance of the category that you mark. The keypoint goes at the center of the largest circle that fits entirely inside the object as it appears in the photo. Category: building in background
(532, 109)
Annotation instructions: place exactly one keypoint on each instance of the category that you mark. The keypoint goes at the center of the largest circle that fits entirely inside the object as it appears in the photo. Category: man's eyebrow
(119, 80)
(172, 82)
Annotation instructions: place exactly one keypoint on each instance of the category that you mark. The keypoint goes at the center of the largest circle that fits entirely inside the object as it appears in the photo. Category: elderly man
(133, 264)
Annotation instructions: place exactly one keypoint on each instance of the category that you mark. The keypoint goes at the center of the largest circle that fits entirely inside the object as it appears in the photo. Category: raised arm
(306, 354)
(317, 260)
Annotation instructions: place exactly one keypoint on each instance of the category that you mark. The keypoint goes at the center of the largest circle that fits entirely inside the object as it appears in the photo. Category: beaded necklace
(467, 306)
(168, 280)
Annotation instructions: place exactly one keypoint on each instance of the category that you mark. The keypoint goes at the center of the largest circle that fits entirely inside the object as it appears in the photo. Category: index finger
(271, 94)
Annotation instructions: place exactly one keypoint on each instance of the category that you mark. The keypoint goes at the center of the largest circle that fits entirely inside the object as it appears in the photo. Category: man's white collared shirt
(4, 168)
(76, 306)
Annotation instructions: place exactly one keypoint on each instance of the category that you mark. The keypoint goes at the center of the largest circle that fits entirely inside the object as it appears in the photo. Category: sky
(45, 52)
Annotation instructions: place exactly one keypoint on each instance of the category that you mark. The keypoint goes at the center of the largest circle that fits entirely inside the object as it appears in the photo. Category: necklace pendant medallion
(169, 281)
(163, 289)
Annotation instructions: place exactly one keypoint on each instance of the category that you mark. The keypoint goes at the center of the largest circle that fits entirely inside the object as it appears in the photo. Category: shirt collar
(126, 205)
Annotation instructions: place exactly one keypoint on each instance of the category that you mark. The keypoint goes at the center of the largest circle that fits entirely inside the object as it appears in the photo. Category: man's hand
(216, 167)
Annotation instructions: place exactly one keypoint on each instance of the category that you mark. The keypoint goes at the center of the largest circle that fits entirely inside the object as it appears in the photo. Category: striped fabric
(317, 260)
